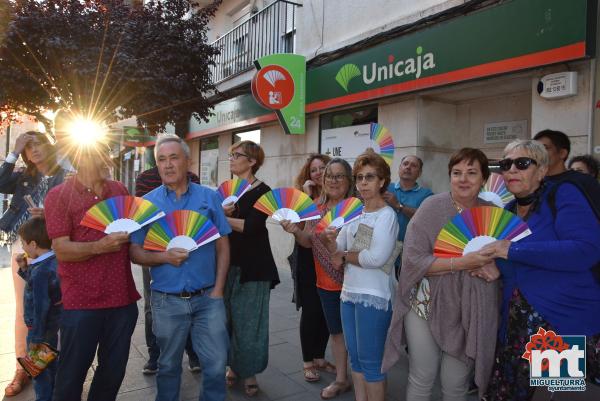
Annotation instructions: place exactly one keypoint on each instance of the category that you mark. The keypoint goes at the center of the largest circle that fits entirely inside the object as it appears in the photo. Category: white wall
(572, 115)
(326, 25)
(228, 12)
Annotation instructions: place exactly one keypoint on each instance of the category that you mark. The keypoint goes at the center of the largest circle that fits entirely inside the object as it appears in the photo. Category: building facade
(440, 75)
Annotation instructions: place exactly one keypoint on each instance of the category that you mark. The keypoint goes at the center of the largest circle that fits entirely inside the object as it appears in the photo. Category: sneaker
(194, 367)
(150, 368)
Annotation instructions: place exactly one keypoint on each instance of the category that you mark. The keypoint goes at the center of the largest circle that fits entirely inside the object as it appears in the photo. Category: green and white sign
(510, 36)
(279, 85)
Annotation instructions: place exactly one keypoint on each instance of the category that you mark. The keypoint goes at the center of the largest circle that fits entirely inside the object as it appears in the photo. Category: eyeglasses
(521, 163)
(367, 177)
(236, 155)
(336, 178)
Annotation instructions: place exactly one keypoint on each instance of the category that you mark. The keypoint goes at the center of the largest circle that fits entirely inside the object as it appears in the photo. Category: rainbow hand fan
(382, 142)
(470, 230)
(495, 191)
(121, 213)
(287, 204)
(232, 190)
(342, 213)
(185, 229)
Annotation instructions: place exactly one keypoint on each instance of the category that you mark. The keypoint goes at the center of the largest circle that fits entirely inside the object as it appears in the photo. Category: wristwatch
(344, 257)
(400, 207)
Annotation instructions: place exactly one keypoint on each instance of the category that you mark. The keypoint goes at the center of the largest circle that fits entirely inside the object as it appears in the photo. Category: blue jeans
(365, 331)
(175, 318)
(153, 350)
(82, 331)
(43, 384)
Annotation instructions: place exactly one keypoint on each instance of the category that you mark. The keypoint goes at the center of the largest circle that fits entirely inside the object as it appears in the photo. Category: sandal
(17, 384)
(327, 367)
(335, 389)
(251, 389)
(311, 374)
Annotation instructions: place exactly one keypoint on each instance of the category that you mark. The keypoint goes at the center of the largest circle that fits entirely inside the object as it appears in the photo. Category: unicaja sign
(556, 362)
(395, 68)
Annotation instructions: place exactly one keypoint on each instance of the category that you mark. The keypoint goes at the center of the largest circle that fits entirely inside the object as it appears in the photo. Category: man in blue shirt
(406, 195)
(187, 288)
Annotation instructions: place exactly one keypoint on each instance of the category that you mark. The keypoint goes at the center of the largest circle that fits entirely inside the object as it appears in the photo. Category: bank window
(347, 118)
(253, 136)
(346, 133)
(209, 159)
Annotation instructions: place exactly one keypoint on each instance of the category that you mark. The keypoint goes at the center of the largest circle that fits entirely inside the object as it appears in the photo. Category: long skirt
(248, 323)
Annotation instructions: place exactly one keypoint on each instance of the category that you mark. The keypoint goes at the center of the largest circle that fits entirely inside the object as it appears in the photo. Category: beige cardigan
(464, 310)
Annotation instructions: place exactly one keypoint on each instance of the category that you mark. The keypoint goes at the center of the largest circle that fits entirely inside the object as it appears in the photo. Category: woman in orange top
(313, 327)
(337, 185)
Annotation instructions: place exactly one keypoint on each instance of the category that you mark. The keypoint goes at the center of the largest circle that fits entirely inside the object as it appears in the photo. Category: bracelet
(344, 257)
(452, 265)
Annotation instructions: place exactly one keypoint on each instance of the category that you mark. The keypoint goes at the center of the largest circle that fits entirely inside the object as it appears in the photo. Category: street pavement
(282, 380)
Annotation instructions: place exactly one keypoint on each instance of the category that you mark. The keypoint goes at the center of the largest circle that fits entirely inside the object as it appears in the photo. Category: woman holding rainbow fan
(252, 273)
(549, 278)
(445, 308)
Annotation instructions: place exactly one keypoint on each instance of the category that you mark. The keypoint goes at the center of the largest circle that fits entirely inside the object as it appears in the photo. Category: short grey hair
(534, 150)
(164, 138)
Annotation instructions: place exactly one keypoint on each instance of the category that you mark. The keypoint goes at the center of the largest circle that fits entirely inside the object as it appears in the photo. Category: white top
(368, 283)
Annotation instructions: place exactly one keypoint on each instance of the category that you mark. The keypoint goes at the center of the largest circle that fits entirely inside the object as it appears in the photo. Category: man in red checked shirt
(98, 293)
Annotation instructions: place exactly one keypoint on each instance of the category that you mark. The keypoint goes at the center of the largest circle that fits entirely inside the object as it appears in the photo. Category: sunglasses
(521, 163)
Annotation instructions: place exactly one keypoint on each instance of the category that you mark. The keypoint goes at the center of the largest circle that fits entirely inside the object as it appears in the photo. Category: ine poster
(346, 142)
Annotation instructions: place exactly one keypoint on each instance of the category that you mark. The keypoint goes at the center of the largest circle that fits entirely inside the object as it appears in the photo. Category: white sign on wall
(505, 131)
(208, 167)
(346, 142)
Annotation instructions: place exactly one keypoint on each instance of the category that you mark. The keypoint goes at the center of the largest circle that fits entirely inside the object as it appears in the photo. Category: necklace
(458, 208)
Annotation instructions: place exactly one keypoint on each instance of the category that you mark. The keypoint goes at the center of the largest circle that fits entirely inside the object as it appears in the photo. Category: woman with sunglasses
(252, 273)
(365, 250)
(313, 328)
(42, 173)
(548, 281)
(446, 309)
(337, 186)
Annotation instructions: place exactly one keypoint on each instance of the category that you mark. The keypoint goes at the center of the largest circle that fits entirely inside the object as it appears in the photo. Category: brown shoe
(17, 384)
(327, 367)
(335, 389)
(311, 374)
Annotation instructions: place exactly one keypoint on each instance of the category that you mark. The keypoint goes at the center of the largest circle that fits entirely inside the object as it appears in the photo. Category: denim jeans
(365, 331)
(82, 331)
(43, 384)
(153, 350)
(203, 317)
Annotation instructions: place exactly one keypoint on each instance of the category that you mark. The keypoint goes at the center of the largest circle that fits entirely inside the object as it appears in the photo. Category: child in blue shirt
(42, 299)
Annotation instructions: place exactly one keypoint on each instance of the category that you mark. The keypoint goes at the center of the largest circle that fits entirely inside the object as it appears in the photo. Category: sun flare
(86, 132)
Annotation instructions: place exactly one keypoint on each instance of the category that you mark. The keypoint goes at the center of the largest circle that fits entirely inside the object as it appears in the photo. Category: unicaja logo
(556, 362)
(395, 68)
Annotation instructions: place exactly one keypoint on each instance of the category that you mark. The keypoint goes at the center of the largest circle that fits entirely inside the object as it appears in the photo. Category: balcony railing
(271, 30)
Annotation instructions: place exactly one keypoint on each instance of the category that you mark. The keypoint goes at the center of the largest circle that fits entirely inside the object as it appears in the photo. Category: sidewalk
(282, 380)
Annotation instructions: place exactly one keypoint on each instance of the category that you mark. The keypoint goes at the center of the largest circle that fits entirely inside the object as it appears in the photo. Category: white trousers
(426, 360)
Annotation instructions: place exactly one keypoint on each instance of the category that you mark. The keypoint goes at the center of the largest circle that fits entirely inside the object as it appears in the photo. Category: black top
(250, 250)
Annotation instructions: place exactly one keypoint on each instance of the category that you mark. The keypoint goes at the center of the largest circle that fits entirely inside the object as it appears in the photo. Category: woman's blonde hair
(533, 148)
(254, 152)
(304, 174)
